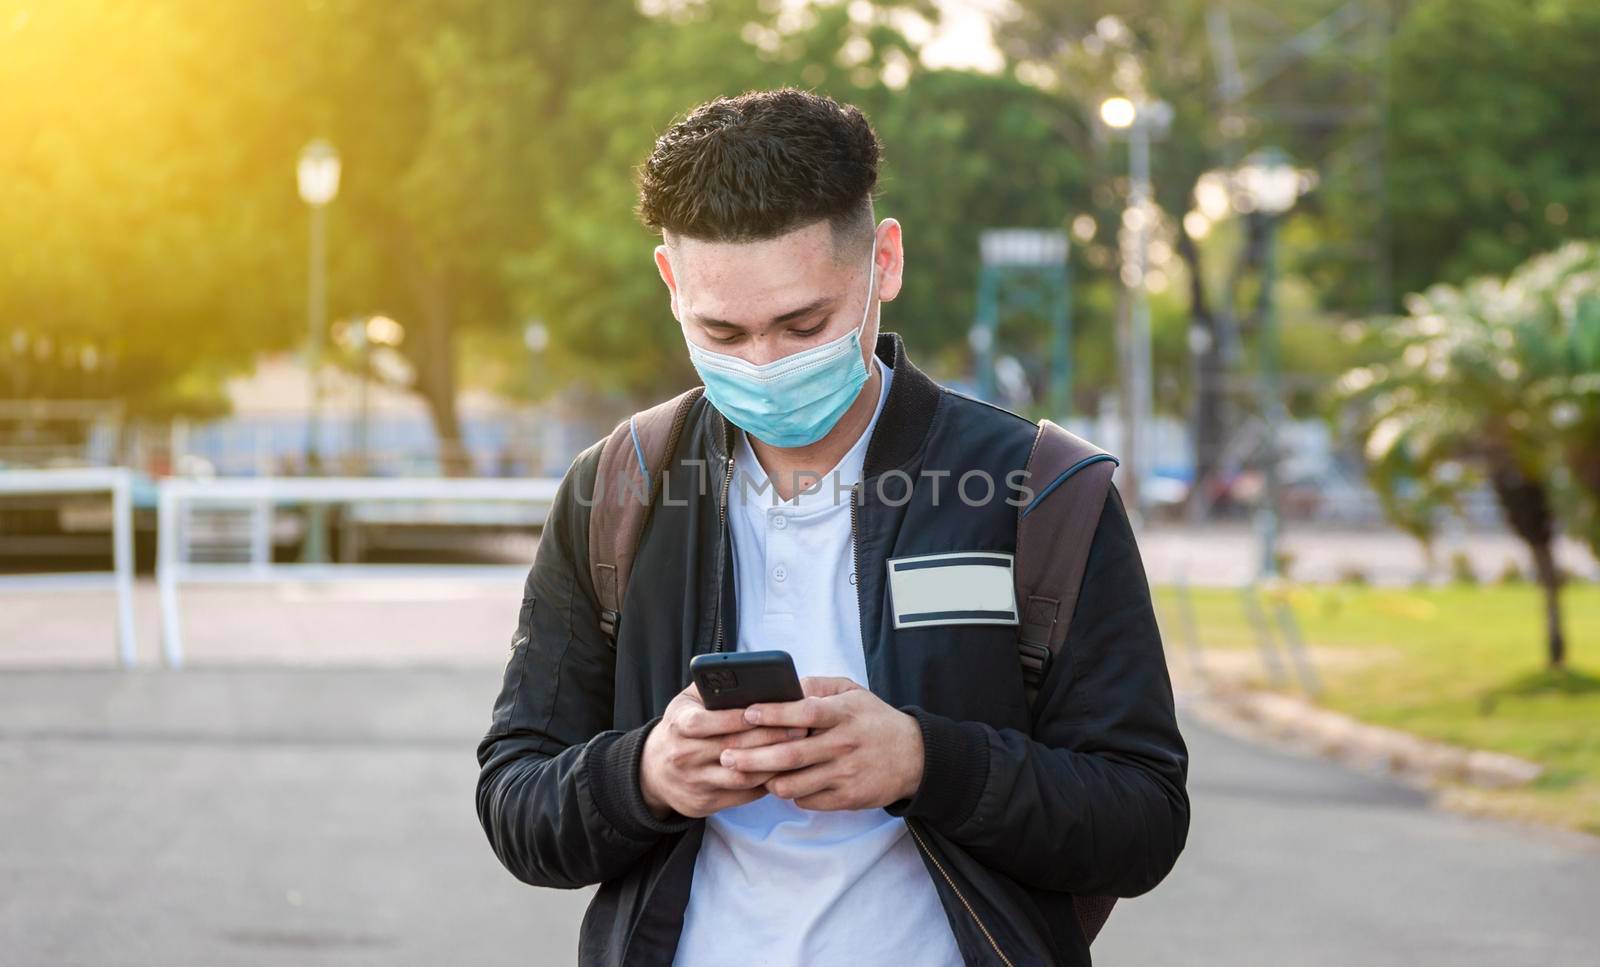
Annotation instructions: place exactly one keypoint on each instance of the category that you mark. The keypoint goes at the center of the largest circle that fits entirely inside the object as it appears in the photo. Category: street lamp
(1268, 184)
(1140, 122)
(318, 176)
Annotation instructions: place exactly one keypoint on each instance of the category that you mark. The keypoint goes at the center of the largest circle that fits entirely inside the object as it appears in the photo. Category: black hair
(759, 165)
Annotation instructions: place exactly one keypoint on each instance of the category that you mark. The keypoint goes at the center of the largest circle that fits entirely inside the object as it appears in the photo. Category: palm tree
(1466, 399)
(1565, 286)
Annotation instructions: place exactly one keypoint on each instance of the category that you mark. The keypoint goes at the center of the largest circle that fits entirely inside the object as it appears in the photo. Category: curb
(1338, 736)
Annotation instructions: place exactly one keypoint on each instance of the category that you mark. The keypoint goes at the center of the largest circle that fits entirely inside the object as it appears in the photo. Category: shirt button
(780, 573)
(780, 521)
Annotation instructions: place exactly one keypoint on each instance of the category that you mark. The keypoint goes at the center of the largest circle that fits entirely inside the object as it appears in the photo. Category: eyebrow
(789, 316)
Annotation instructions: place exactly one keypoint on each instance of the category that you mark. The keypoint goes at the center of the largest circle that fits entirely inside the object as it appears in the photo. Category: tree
(458, 122)
(488, 148)
(1492, 136)
(1480, 377)
(962, 151)
(1562, 290)
(151, 194)
(1302, 69)
(146, 228)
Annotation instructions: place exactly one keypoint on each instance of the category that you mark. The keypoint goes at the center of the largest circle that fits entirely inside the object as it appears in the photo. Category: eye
(811, 330)
(724, 340)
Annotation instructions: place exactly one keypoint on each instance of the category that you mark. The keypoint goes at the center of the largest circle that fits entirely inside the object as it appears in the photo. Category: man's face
(761, 301)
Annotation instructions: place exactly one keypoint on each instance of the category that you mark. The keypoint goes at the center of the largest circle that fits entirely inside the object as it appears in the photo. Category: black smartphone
(734, 679)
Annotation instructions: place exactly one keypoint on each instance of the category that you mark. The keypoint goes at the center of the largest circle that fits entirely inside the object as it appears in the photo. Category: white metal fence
(117, 482)
(219, 531)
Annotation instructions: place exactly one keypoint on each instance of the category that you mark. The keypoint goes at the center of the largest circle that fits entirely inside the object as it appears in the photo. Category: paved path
(1295, 860)
(324, 817)
(290, 817)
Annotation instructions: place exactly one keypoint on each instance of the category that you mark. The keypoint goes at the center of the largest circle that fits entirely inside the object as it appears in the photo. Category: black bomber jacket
(1019, 809)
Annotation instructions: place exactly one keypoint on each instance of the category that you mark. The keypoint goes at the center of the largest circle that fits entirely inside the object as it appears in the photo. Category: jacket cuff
(955, 768)
(614, 779)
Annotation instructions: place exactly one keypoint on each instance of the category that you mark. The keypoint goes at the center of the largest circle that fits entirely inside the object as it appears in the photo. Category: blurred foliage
(154, 242)
(1309, 91)
(1493, 131)
(143, 227)
(1498, 381)
(963, 152)
(488, 152)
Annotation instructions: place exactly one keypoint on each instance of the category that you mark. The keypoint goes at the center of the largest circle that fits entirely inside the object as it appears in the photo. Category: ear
(890, 256)
(664, 266)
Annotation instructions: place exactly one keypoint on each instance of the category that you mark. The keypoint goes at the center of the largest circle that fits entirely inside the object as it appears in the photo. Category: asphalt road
(283, 816)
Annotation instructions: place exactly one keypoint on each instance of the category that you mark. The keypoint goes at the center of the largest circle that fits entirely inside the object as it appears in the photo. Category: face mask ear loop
(872, 271)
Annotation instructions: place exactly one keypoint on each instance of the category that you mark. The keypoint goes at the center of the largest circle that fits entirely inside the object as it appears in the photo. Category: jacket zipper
(910, 825)
(855, 560)
(722, 532)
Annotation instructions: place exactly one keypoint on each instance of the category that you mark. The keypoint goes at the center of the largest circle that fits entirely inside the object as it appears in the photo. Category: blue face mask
(793, 401)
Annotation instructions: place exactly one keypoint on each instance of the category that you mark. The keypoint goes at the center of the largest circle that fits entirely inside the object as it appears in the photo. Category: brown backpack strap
(631, 461)
(1054, 531)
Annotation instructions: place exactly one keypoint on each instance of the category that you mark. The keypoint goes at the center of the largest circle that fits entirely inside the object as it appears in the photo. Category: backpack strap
(1053, 539)
(1054, 531)
(631, 460)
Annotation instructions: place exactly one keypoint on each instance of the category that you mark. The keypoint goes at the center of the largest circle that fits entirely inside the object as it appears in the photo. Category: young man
(913, 809)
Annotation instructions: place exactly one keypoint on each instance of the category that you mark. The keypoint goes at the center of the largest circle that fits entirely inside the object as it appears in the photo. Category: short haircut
(760, 165)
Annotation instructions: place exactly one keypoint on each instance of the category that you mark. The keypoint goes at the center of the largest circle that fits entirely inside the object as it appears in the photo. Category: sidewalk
(231, 816)
(324, 818)
(1230, 554)
(396, 622)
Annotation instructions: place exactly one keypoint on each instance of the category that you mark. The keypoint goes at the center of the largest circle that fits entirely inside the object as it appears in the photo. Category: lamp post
(1269, 184)
(318, 176)
(1141, 122)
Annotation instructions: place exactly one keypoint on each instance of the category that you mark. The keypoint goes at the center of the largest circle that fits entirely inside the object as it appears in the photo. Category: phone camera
(721, 679)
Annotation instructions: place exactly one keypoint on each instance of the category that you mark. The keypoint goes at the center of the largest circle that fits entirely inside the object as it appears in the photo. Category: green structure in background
(1025, 269)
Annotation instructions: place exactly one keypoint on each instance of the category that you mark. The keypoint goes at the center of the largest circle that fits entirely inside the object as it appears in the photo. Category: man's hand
(862, 753)
(680, 770)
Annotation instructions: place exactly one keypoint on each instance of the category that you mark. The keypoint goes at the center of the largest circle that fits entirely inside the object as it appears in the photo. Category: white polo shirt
(776, 884)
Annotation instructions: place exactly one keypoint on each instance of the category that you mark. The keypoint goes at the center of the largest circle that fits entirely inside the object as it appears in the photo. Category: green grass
(1463, 664)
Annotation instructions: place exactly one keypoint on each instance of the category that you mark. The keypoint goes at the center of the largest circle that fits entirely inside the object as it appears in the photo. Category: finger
(758, 736)
(783, 756)
(702, 723)
(827, 800)
(801, 783)
(721, 779)
(823, 685)
(808, 713)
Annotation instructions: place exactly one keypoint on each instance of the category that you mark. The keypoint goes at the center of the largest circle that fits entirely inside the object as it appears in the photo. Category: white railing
(116, 481)
(251, 544)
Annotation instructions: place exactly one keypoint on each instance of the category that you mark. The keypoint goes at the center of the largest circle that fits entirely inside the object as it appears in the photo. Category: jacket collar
(902, 427)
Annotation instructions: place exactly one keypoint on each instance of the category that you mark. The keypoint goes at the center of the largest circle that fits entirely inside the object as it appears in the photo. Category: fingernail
(752, 715)
(797, 733)
(727, 758)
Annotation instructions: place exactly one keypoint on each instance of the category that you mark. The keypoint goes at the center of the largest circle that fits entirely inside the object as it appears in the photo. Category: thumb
(821, 686)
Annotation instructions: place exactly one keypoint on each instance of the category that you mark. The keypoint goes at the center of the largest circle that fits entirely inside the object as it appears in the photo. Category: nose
(762, 350)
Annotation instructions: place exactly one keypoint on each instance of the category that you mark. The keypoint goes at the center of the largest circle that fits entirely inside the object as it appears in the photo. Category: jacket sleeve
(558, 791)
(1094, 801)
